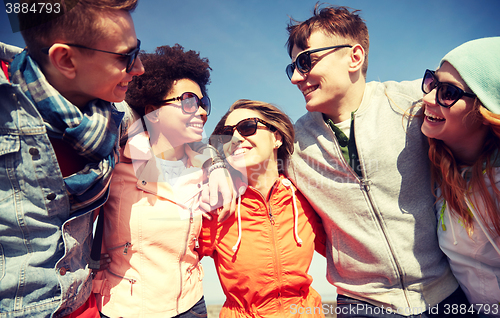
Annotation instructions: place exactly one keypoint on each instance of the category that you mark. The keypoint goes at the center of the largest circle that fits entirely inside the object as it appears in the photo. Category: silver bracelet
(217, 165)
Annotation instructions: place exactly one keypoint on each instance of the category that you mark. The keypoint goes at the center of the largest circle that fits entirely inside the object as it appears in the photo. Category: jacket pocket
(9, 158)
(9, 143)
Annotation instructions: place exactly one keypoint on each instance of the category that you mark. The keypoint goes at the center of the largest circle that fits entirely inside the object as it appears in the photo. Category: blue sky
(245, 43)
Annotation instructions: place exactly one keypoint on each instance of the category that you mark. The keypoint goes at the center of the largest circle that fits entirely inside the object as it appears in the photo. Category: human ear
(278, 140)
(61, 57)
(151, 113)
(357, 58)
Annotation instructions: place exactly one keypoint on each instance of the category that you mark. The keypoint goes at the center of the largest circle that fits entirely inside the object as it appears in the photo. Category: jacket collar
(147, 169)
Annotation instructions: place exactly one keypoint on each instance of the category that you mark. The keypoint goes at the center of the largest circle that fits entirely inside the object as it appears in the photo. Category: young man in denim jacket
(58, 146)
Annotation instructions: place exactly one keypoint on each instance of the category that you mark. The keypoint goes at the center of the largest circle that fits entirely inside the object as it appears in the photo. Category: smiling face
(103, 75)
(255, 154)
(170, 125)
(459, 127)
(326, 84)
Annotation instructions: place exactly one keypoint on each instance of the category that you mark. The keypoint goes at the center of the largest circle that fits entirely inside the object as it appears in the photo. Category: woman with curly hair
(462, 122)
(152, 218)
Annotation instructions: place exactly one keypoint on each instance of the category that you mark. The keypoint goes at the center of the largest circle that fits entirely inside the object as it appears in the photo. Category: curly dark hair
(166, 65)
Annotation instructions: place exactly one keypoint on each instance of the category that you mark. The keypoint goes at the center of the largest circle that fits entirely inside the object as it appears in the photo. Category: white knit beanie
(478, 63)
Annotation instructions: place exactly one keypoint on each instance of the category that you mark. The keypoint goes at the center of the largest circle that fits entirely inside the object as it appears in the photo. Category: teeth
(310, 89)
(123, 84)
(195, 125)
(432, 117)
(239, 151)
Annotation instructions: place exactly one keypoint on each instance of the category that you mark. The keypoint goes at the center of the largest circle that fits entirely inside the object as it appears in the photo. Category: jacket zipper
(276, 254)
(365, 186)
(191, 221)
(131, 280)
(125, 246)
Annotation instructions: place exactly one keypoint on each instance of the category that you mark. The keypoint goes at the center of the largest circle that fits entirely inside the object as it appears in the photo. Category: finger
(205, 207)
(207, 215)
(214, 194)
(218, 183)
(205, 194)
(224, 213)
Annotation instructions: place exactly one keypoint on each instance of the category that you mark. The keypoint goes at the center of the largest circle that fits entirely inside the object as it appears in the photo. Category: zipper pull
(271, 218)
(132, 282)
(127, 245)
(365, 185)
(191, 216)
(196, 243)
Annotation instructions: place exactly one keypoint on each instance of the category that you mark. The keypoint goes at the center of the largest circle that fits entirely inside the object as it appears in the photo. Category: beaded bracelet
(216, 165)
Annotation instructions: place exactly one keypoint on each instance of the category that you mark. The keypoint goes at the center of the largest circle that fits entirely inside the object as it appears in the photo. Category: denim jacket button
(51, 196)
(144, 182)
(34, 152)
(62, 271)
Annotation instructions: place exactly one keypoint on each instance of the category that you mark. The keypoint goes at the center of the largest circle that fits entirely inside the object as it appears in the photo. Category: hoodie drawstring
(451, 223)
(287, 183)
(241, 192)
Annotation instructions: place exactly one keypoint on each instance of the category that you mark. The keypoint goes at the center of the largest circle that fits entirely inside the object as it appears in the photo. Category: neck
(164, 150)
(468, 151)
(263, 180)
(65, 87)
(349, 103)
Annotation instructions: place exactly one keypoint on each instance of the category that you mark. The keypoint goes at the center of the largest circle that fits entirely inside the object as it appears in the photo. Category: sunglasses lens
(133, 56)
(303, 62)
(447, 95)
(226, 135)
(429, 82)
(189, 103)
(205, 104)
(247, 127)
(289, 71)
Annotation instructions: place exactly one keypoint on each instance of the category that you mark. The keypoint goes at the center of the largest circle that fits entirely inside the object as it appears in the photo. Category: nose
(430, 98)
(202, 113)
(237, 136)
(297, 77)
(138, 68)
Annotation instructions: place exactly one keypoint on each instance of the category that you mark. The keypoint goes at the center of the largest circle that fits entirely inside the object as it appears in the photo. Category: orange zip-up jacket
(263, 265)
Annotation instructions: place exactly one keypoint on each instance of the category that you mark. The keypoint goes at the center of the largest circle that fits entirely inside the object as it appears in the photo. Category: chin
(313, 107)
(427, 133)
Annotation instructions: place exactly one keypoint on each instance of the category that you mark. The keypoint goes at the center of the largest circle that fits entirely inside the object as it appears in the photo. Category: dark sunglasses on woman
(446, 94)
(246, 127)
(190, 103)
(303, 60)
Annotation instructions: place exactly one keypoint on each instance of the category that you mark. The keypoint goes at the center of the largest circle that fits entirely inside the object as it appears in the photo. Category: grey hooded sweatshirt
(381, 227)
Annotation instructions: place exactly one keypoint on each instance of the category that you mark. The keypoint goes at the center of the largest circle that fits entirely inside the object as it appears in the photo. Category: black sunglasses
(303, 60)
(132, 55)
(446, 94)
(246, 127)
(190, 103)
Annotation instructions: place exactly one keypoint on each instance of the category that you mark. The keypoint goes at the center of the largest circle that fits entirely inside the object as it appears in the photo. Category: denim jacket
(44, 250)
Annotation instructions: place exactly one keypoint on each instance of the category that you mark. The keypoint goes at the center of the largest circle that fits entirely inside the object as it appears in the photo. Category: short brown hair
(331, 20)
(74, 20)
(273, 116)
